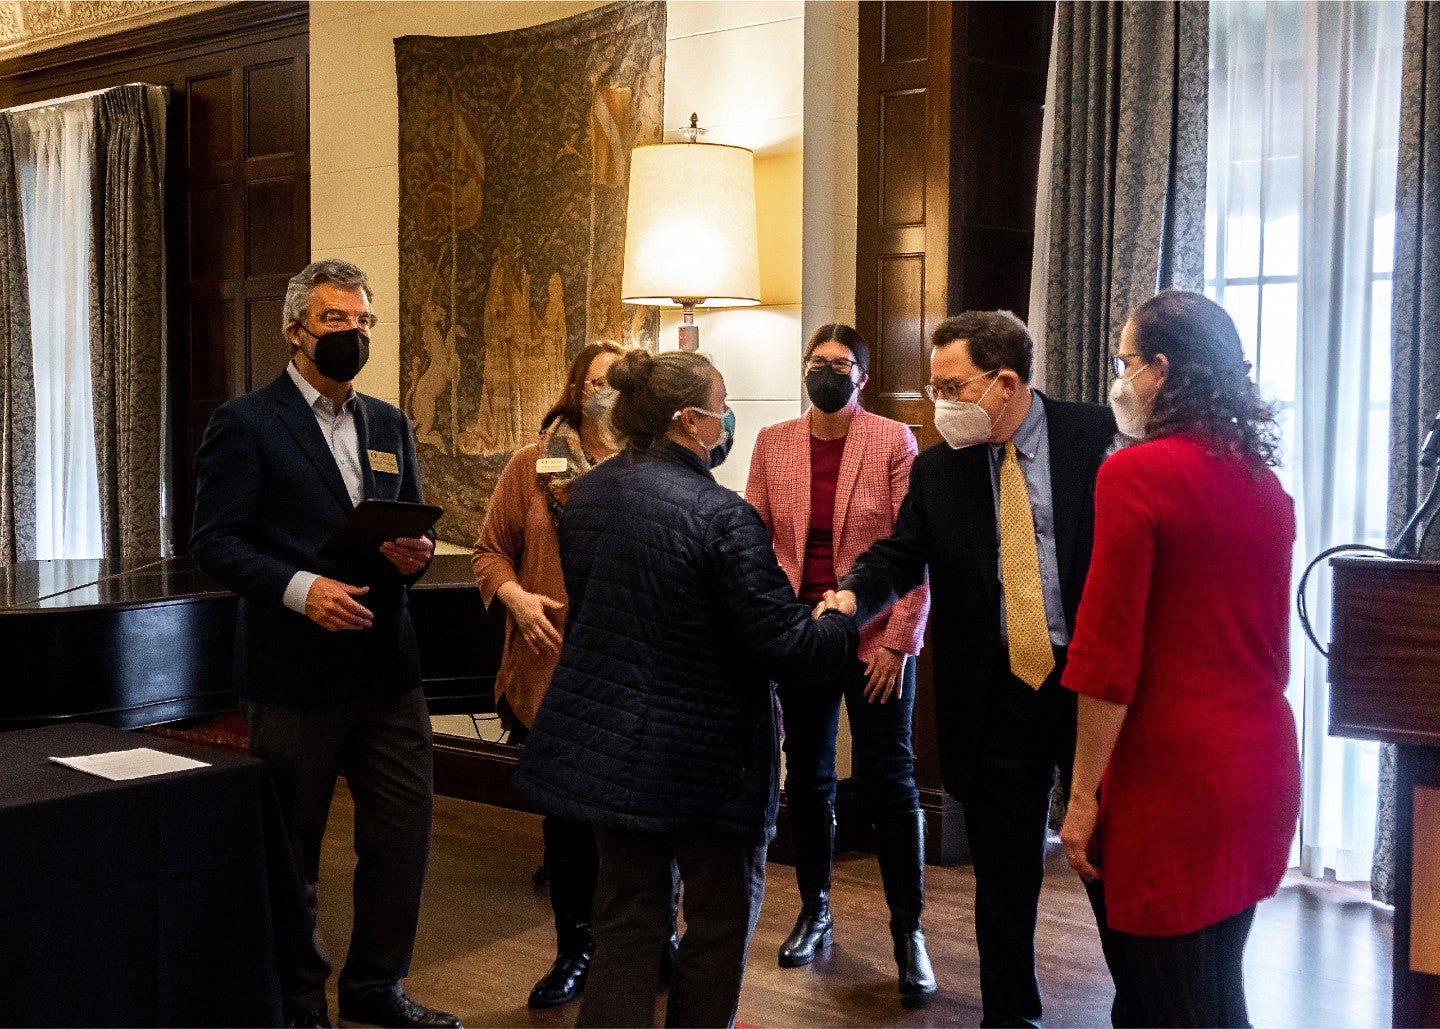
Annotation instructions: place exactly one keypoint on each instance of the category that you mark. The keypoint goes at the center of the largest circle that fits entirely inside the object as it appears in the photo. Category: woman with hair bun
(658, 727)
(1186, 788)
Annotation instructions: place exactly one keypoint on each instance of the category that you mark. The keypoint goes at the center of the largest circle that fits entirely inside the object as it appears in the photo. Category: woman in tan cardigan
(517, 560)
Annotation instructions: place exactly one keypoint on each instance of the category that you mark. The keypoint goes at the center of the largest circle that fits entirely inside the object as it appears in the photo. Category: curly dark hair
(1208, 391)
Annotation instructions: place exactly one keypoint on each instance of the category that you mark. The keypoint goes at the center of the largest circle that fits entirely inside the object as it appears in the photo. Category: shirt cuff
(298, 590)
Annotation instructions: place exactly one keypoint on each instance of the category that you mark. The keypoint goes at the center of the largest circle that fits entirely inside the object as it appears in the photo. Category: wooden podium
(1385, 685)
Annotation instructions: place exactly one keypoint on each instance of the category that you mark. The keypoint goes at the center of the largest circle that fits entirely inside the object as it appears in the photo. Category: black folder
(373, 522)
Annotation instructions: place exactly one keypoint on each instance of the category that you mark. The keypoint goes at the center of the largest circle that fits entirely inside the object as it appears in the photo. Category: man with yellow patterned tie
(1001, 518)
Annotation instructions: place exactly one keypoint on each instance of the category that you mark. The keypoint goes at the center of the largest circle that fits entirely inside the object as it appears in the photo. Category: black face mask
(340, 355)
(828, 389)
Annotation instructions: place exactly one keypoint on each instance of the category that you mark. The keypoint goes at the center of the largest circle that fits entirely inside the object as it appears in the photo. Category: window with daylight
(1300, 213)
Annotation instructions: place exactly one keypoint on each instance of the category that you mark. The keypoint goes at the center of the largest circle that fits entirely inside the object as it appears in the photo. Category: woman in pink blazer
(828, 484)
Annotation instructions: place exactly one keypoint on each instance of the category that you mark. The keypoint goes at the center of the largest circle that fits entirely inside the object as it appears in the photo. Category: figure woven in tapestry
(514, 168)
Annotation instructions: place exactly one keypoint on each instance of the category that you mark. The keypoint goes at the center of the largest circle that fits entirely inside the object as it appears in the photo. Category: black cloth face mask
(340, 355)
(828, 389)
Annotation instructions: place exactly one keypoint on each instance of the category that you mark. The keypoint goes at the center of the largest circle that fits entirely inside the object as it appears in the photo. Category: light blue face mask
(721, 450)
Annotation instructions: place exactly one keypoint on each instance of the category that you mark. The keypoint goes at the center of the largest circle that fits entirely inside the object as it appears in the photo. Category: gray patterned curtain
(1127, 176)
(127, 320)
(17, 372)
(1415, 332)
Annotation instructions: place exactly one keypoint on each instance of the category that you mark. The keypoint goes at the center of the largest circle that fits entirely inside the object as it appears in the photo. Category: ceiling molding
(28, 28)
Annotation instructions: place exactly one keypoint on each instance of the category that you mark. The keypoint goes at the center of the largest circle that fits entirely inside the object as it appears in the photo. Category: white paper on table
(129, 764)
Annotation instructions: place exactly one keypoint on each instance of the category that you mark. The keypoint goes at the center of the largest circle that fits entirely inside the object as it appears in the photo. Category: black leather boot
(901, 845)
(813, 828)
(571, 861)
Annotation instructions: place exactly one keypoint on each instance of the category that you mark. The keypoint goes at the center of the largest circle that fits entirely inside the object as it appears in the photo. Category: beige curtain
(17, 375)
(1414, 332)
(127, 321)
(1130, 89)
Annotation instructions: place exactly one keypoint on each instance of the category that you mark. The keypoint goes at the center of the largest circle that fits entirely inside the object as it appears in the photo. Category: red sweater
(1185, 618)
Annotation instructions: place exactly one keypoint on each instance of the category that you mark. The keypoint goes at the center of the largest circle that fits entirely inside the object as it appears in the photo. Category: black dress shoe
(563, 982)
(311, 1018)
(394, 1010)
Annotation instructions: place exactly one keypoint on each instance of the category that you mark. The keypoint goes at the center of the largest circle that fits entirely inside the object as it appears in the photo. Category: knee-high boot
(571, 859)
(813, 828)
(901, 845)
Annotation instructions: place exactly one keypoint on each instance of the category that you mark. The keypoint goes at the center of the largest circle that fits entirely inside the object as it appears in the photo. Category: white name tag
(381, 461)
(546, 465)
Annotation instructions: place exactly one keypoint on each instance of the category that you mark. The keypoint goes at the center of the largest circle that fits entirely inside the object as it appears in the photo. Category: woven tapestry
(514, 167)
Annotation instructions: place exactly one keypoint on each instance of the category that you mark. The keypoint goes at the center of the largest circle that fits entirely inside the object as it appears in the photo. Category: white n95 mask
(1132, 414)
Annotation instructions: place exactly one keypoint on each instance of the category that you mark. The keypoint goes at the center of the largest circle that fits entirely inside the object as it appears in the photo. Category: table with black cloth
(165, 900)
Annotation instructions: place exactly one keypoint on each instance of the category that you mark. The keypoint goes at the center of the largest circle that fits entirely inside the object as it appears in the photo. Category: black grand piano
(152, 643)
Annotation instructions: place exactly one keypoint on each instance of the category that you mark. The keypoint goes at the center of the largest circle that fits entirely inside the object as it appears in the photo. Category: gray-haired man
(326, 665)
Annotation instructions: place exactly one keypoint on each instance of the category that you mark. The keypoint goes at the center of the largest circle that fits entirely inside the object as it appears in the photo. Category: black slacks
(723, 879)
(1028, 735)
(382, 745)
(1197, 979)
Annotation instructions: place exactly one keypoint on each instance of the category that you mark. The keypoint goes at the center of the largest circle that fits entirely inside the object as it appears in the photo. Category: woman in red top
(1180, 657)
(827, 485)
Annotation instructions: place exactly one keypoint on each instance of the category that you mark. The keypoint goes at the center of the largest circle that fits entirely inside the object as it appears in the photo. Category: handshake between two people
(884, 668)
(836, 600)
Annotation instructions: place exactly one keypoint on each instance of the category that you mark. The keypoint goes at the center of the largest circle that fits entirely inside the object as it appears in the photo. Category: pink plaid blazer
(874, 475)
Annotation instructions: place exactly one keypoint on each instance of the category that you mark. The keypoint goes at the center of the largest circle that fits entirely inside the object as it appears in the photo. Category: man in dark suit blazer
(1001, 741)
(326, 664)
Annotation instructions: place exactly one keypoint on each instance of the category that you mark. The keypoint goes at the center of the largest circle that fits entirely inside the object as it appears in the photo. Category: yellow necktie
(1031, 658)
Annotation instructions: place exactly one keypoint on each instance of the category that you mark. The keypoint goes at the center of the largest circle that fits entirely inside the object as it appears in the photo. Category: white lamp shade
(690, 226)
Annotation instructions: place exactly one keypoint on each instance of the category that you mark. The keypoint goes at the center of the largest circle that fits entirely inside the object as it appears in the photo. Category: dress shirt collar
(313, 395)
(1028, 433)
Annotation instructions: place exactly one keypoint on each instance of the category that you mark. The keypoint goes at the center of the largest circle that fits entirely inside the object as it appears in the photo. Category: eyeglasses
(336, 321)
(599, 382)
(700, 410)
(1121, 363)
(839, 365)
(951, 390)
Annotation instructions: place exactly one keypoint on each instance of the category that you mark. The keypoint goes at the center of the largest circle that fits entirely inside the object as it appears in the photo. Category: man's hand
(409, 555)
(332, 605)
(883, 675)
(836, 600)
(530, 613)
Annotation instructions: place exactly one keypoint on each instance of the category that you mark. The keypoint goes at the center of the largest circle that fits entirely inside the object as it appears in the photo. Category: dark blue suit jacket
(268, 493)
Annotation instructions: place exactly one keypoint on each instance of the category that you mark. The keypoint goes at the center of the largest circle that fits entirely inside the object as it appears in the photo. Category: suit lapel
(857, 440)
(362, 440)
(1068, 494)
(975, 497)
(300, 422)
(800, 507)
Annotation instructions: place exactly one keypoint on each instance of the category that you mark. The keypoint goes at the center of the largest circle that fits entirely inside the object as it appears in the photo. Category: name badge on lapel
(383, 461)
(546, 465)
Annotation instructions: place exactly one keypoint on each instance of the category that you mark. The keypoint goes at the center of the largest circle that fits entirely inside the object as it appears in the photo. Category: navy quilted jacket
(659, 717)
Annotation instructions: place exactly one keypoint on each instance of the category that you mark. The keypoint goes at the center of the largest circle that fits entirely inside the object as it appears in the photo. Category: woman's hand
(884, 675)
(1081, 816)
(530, 611)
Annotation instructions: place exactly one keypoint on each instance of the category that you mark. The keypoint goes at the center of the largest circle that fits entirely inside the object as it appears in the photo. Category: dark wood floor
(1319, 954)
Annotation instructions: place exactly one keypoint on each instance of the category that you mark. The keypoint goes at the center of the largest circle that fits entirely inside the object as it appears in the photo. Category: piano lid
(75, 583)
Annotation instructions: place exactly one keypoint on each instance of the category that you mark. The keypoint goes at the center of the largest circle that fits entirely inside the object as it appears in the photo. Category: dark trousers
(382, 746)
(886, 764)
(1028, 734)
(1197, 979)
(723, 880)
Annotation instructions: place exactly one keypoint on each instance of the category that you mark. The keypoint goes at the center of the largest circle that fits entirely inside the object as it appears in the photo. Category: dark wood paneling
(951, 104)
(1002, 53)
